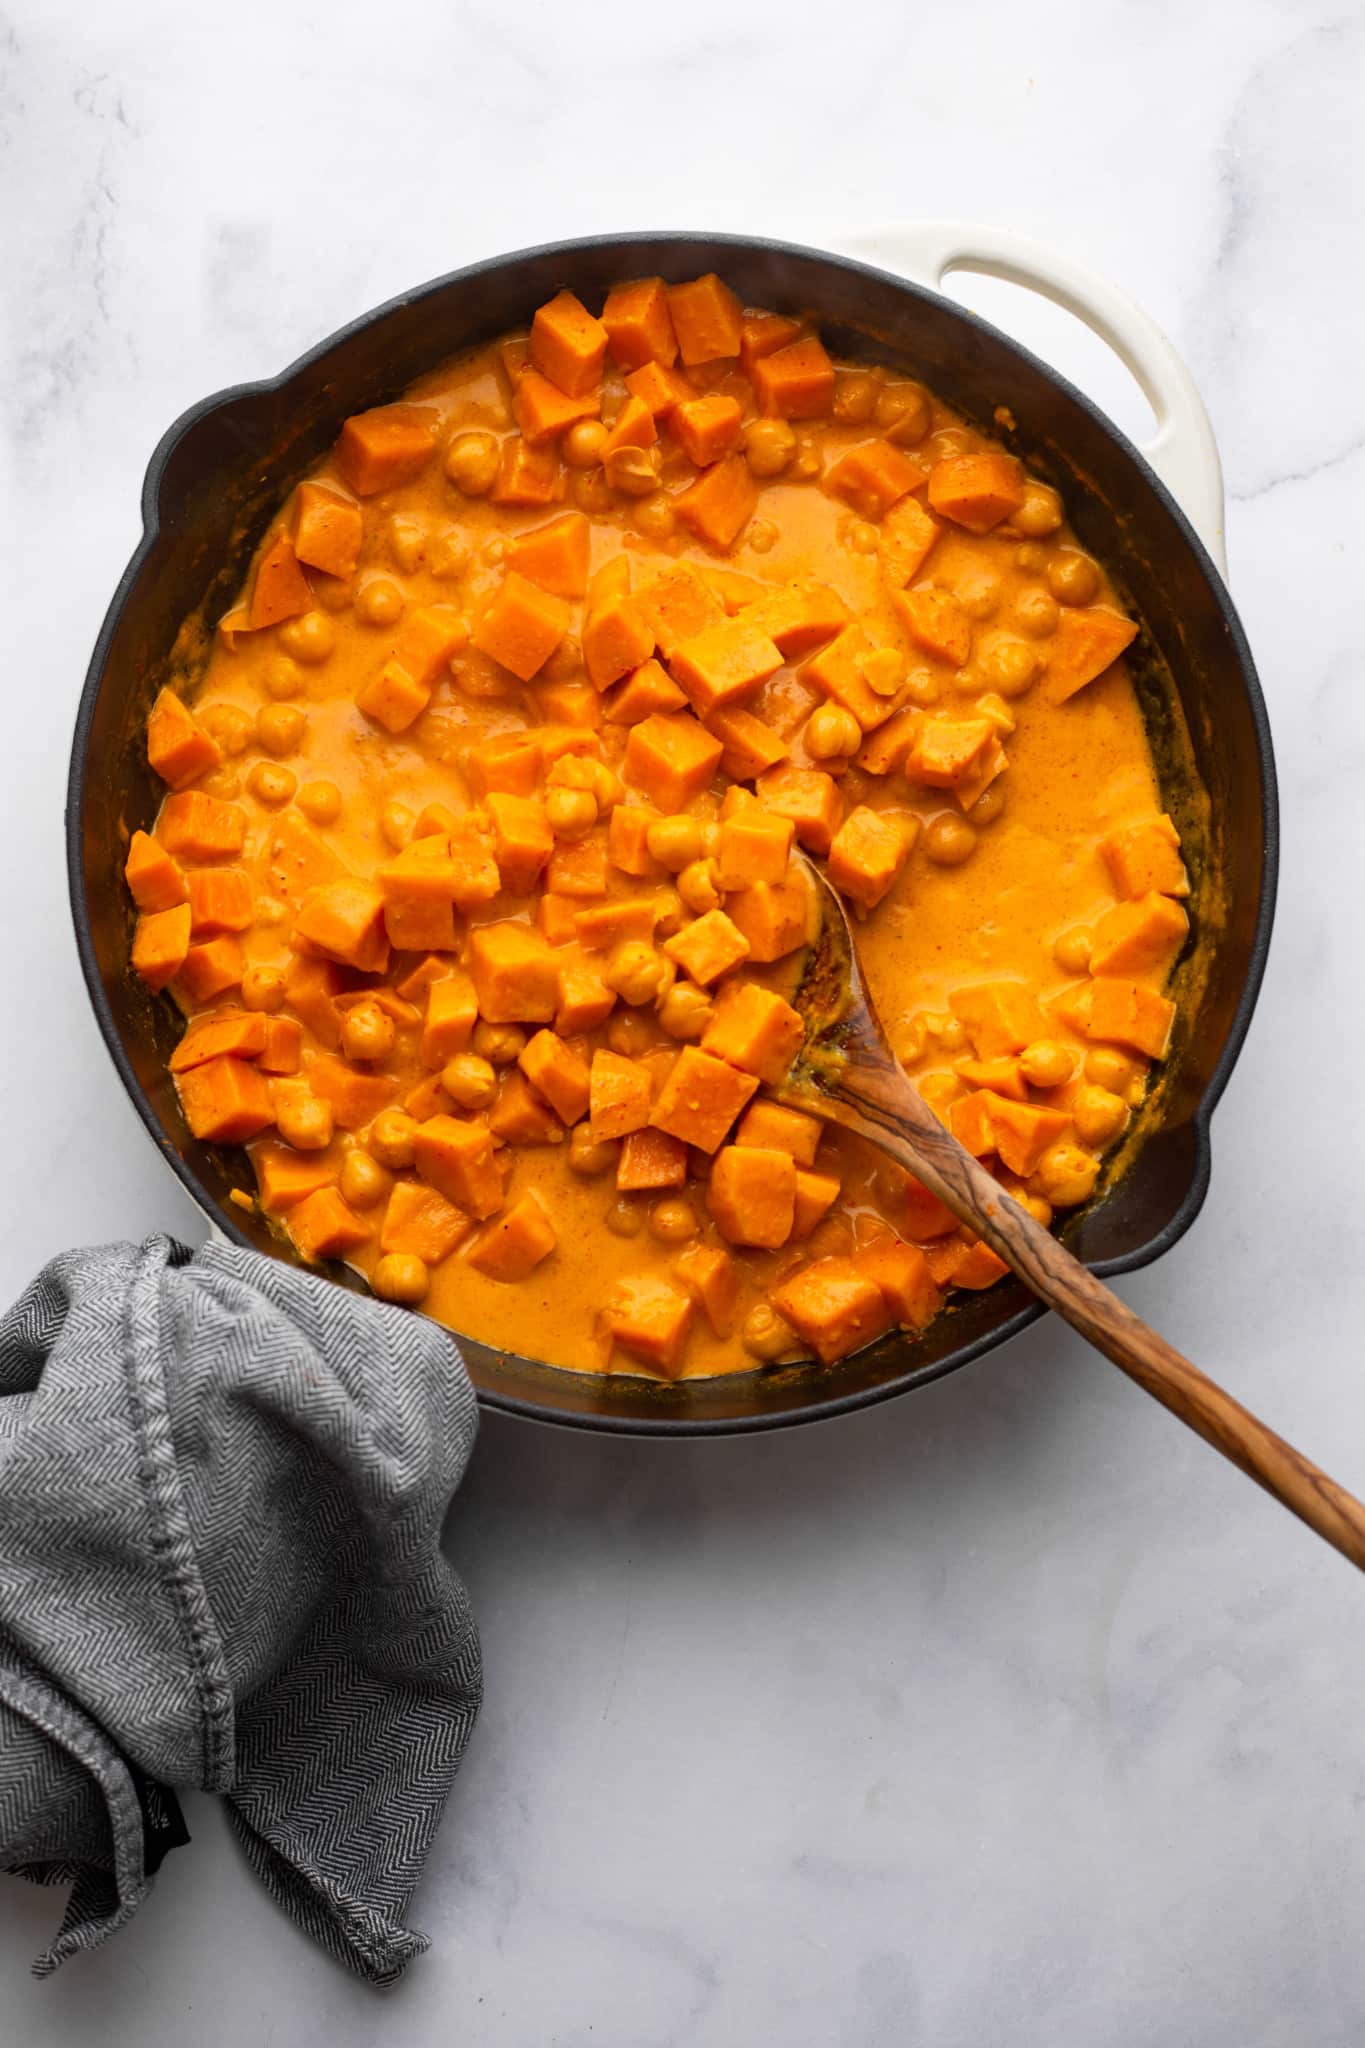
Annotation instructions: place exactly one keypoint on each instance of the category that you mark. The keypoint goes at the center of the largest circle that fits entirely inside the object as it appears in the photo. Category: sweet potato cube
(969, 1120)
(902, 1273)
(161, 941)
(451, 1014)
(1142, 937)
(639, 325)
(570, 704)
(311, 988)
(992, 761)
(417, 981)
(558, 1073)
(775, 917)
(750, 746)
(522, 840)
(884, 750)
(155, 882)
(426, 638)
(925, 1216)
(772, 1127)
(723, 663)
(671, 758)
(754, 1029)
(977, 491)
(700, 1098)
(720, 504)
(527, 475)
(650, 1321)
(605, 925)
(585, 1001)
(658, 386)
(645, 690)
(544, 412)
(800, 618)
(872, 478)
(355, 1098)
(220, 901)
(712, 1279)
(299, 859)
(458, 1160)
(475, 877)
(1140, 857)
(280, 590)
(557, 919)
(422, 1222)
(619, 1096)
(676, 607)
(328, 530)
(936, 622)
(762, 334)
(514, 357)
(615, 640)
(392, 698)
(344, 920)
(225, 1101)
(1126, 1013)
(284, 1177)
(633, 427)
(324, 1227)
(708, 947)
(807, 796)
(178, 748)
(516, 1242)
(283, 1048)
(237, 1034)
(520, 1116)
(751, 1196)
(707, 427)
(650, 1159)
(795, 382)
(706, 318)
(628, 839)
(418, 888)
(841, 672)
(754, 846)
(816, 1194)
(869, 850)
(378, 450)
(554, 557)
(1024, 1131)
(906, 542)
(1086, 643)
(1000, 1017)
(568, 345)
(578, 868)
(944, 752)
(522, 626)
(833, 1307)
(209, 969)
(515, 974)
(1003, 1075)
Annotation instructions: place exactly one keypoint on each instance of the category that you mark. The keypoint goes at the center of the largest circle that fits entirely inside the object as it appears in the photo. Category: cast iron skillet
(222, 469)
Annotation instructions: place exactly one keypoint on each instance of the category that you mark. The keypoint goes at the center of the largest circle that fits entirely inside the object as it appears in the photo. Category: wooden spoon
(847, 1074)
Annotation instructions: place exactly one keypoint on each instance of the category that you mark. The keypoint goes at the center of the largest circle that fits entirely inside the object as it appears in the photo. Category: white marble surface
(1002, 1714)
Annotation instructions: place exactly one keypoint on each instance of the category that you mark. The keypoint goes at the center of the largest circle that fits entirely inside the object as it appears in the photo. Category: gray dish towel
(222, 1484)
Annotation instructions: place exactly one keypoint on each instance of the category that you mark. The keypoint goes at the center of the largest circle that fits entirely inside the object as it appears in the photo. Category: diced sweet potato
(515, 974)
(344, 920)
(807, 796)
(418, 888)
(799, 618)
(451, 1014)
(323, 1226)
(458, 1160)
(578, 868)
(615, 640)
(700, 1098)
(1000, 1017)
(639, 325)
(378, 450)
(906, 542)
(633, 427)
(426, 638)
(155, 881)
(516, 1242)
(723, 663)
(311, 988)
(969, 1120)
(280, 590)
(650, 1160)
(712, 1279)
(775, 917)
(1140, 857)
(554, 556)
(658, 386)
(522, 840)
(963, 1263)
(328, 530)
(754, 1029)
(795, 382)
(676, 607)
(520, 1116)
(754, 846)
(751, 1196)
(225, 1101)
(527, 475)
(707, 427)
(945, 752)
(977, 491)
(392, 698)
(706, 318)
(1126, 1013)
(708, 947)
(925, 1216)
(720, 504)
(283, 1048)
(751, 747)
(936, 622)
(992, 761)
(514, 356)
(872, 478)
(557, 919)
(843, 672)
(816, 1194)
(161, 941)
(236, 1034)
(772, 1127)
(420, 1221)
(650, 1321)
(605, 925)
(1024, 1131)
(1087, 642)
(902, 1273)
(476, 879)
(571, 704)
(355, 1098)
(671, 758)
(762, 334)
(1142, 937)
(628, 839)
(585, 1001)
(884, 750)
(645, 690)
(869, 850)
(559, 1073)
(220, 901)
(209, 969)
(833, 1307)
(1004, 1075)
(299, 860)
(619, 1096)
(568, 345)
(544, 412)
(522, 626)
(285, 1177)
(178, 748)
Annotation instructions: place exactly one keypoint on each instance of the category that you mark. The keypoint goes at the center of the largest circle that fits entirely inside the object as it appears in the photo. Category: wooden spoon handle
(882, 1105)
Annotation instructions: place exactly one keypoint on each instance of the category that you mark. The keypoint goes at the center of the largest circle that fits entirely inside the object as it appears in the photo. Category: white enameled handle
(1182, 451)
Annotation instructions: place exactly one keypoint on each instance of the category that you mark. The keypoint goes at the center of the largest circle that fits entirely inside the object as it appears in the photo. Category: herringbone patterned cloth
(222, 1485)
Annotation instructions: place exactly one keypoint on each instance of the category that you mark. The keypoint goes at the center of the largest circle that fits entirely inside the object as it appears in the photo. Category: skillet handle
(1182, 451)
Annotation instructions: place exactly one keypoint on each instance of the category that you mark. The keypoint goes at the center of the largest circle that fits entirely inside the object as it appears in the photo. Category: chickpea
(675, 842)
(855, 397)
(320, 802)
(989, 804)
(910, 1041)
(592, 493)
(1040, 513)
(500, 1044)
(1009, 664)
(979, 593)
(270, 909)
(668, 912)
(629, 1033)
(1035, 613)
(903, 414)
(572, 813)
(494, 551)
(1098, 1115)
(859, 536)
(367, 1032)
(764, 1335)
(590, 1157)
(762, 536)
(224, 781)
(940, 1091)
(655, 517)
(583, 444)
(806, 464)
(280, 727)
(448, 555)
(1046, 1064)
(407, 538)
(625, 1218)
(673, 1220)
(271, 784)
(396, 822)
(1038, 1206)
(952, 1035)
(1030, 556)
(685, 1011)
(1111, 1069)
(470, 1082)
(769, 445)
(379, 601)
(1072, 577)
(948, 443)
(1072, 949)
(922, 688)
(283, 677)
(636, 971)
(309, 638)
(949, 839)
(401, 1277)
(304, 1121)
(262, 988)
(390, 1138)
(228, 724)
(698, 887)
(472, 463)
(363, 1181)
(1066, 1175)
(635, 472)
(832, 733)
